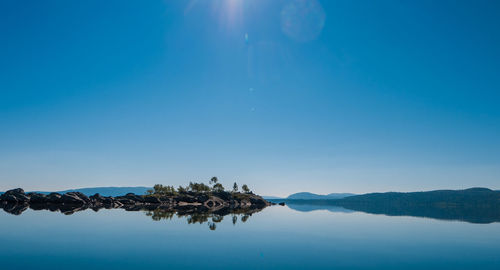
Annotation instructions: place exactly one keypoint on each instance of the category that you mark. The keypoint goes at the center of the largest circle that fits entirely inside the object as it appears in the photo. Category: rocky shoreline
(17, 201)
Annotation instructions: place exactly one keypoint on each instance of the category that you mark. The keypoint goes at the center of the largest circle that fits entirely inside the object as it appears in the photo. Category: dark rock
(166, 199)
(226, 196)
(9, 198)
(72, 198)
(15, 196)
(257, 201)
(37, 198)
(186, 203)
(152, 200)
(96, 198)
(124, 200)
(133, 197)
(185, 198)
(282, 203)
(107, 200)
(15, 208)
(82, 196)
(39, 206)
(202, 198)
(54, 198)
(15, 191)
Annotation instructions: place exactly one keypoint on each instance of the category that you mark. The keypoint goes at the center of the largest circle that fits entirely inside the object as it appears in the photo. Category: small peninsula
(196, 197)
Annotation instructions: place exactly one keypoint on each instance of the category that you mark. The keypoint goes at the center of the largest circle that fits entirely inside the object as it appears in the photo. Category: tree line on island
(213, 186)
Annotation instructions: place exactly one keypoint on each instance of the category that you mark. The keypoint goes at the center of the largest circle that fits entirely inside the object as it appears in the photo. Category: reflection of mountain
(475, 205)
(312, 196)
(307, 206)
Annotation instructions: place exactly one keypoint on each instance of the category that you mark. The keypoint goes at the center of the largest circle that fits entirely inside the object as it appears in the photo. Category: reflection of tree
(158, 215)
(202, 215)
(244, 218)
(197, 218)
(212, 226)
(217, 218)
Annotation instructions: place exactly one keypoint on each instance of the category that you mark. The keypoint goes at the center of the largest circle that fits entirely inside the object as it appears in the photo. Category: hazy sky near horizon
(285, 96)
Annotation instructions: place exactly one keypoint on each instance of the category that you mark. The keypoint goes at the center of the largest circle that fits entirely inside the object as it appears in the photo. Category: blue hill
(104, 191)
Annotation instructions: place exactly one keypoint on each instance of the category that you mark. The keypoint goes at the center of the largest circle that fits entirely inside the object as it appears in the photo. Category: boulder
(72, 198)
(38, 198)
(258, 201)
(152, 200)
(96, 198)
(107, 200)
(82, 196)
(15, 196)
(124, 200)
(54, 198)
(9, 198)
(133, 197)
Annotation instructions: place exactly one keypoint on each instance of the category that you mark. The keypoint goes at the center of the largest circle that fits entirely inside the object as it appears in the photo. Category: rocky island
(196, 197)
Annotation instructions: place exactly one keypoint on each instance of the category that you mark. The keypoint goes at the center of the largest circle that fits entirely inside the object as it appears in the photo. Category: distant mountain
(105, 191)
(312, 196)
(465, 196)
(271, 197)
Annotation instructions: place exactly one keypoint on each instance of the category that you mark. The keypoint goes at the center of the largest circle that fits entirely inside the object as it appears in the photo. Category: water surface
(278, 237)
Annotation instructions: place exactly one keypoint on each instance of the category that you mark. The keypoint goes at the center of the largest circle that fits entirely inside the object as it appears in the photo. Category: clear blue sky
(286, 96)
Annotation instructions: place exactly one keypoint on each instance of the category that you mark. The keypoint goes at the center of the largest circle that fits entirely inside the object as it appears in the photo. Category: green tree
(163, 190)
(199, 187)
(157, 188)
(245, 188)
(218, 187)
(214, 180)
(235, 187)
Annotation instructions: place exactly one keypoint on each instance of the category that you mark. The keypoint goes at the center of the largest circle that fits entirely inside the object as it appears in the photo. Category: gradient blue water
(276, 238)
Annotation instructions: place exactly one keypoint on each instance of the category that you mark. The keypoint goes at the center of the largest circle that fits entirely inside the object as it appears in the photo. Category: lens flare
(303, 20)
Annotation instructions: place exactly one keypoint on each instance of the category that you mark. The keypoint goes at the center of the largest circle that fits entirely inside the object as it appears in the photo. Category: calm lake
(278, 237)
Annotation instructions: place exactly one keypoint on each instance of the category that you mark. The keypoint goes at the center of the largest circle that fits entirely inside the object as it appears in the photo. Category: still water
(278, 237)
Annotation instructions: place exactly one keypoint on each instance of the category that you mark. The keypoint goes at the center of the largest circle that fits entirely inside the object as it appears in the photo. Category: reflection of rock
(14, 208)
(37, 198)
